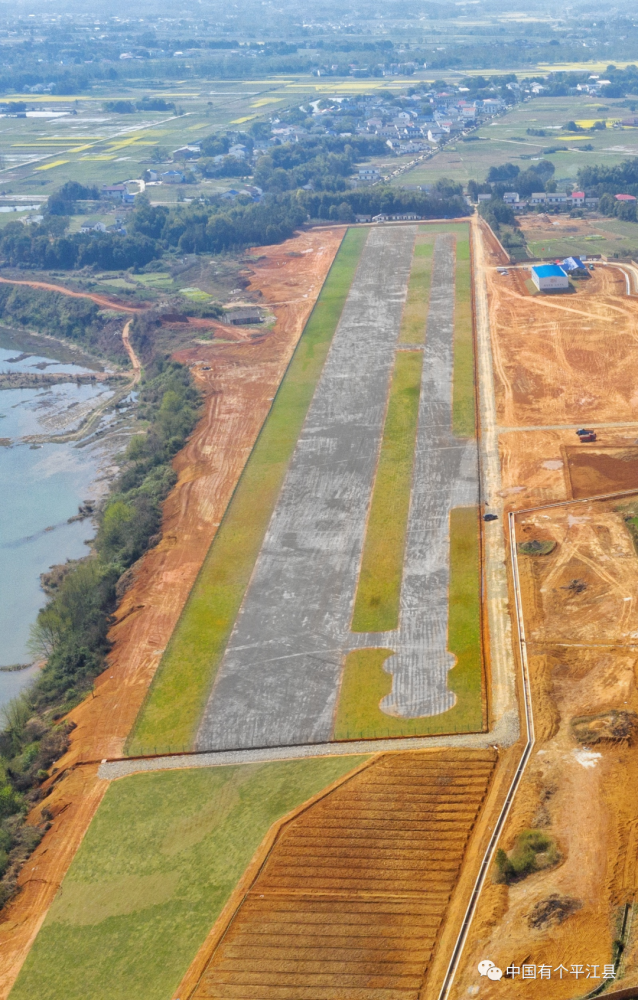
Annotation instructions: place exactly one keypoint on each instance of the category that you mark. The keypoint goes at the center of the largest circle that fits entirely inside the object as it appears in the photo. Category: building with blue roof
(549, 278)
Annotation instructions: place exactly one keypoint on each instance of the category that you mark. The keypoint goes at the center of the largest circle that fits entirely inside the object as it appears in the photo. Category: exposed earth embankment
(238, 381)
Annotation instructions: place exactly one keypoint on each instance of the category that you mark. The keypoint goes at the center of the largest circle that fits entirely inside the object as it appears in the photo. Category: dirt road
(502, 666)
(562, 361)
(133, 358)
(100, 300)
(238, 381)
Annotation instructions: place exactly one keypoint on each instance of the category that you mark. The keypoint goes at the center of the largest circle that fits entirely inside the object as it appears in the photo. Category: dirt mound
(612, 725)
(551, 911)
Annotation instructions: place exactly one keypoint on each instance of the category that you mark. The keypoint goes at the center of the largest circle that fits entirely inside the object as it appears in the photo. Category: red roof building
(624, 197)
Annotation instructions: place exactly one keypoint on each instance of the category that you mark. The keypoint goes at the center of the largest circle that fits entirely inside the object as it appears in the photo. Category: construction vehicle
(586, 435)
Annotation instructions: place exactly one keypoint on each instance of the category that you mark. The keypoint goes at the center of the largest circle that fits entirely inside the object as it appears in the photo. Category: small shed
(575, 267)
(549, 277)
(244, 316)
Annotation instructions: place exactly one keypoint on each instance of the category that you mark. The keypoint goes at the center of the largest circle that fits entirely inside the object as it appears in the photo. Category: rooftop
(548, 271)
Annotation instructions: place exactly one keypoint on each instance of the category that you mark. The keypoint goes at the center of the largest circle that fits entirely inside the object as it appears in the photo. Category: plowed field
(350, 901)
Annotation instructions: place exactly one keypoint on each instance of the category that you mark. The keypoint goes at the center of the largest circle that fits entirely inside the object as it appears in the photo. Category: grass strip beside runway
(463, 409)
(415, 311)
(365, 682)
(378, 596)
(172, 710)
(159, 861)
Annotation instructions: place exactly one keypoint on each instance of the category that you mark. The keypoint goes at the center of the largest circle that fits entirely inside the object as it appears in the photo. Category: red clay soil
(350, 900)
(99, 300)
(600, 471)
(564, 359)
(238, 388)
(495, 255)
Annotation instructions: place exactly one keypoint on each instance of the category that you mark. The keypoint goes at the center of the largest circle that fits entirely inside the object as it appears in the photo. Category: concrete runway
(445, 476)
(278, 680)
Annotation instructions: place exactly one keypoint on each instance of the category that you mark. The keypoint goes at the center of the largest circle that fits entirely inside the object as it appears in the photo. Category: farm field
(155, 869)
(74, 138)
(560, 236)
(505, 140)
(577, 566)
(354, 891)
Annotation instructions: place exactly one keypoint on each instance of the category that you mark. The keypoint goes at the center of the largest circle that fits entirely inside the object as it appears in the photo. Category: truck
(585, 435)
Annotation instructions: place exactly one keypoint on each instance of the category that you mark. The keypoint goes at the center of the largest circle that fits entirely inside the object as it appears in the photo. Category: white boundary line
(529, 746)
(529, 721)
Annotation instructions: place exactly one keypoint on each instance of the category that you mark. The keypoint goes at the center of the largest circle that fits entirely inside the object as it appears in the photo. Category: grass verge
(159, 861)
(376, 606)
(171, 712)
(365, 682)
(415, 311)
(463, 408)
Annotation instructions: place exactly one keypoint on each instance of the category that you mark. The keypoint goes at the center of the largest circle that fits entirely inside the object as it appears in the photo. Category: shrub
(532, 851)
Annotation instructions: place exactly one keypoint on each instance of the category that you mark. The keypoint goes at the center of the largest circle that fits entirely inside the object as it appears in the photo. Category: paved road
(278, 680)
(500, 735)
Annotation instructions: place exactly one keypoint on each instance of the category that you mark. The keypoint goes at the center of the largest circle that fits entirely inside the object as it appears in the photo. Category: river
(42, 485)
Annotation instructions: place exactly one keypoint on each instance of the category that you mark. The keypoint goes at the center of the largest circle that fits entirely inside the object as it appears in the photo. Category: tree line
(71, 631)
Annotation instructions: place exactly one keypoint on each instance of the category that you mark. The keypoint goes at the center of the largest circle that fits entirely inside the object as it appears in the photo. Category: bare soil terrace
(238, 381)
(350, 901)
(561, 362)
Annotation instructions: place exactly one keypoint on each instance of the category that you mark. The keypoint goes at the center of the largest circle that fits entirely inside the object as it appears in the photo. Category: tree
(506, 172)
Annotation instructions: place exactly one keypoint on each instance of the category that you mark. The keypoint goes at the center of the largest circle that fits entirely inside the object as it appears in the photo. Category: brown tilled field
(350, 901)
(238, 381)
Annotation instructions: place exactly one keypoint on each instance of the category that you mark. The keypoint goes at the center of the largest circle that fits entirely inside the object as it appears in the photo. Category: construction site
(369, 724)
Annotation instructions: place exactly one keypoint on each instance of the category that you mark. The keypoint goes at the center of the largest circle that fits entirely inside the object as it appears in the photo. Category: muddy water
(41, 487)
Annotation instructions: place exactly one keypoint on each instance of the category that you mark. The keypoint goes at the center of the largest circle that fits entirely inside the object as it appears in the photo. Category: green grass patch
(415, 311)
(171, 712)
(376, 606)
(365, 681)
(195, 294)
(463, 410)
(158, 863)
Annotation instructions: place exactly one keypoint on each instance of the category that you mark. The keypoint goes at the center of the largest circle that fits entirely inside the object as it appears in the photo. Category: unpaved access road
(562, 362)
(100, 300)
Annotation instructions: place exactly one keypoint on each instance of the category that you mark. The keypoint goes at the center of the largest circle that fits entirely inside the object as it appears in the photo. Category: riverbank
(44, 483)
(238, 382)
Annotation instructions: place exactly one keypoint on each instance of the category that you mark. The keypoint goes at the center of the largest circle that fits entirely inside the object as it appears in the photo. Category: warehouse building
(549, 278)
